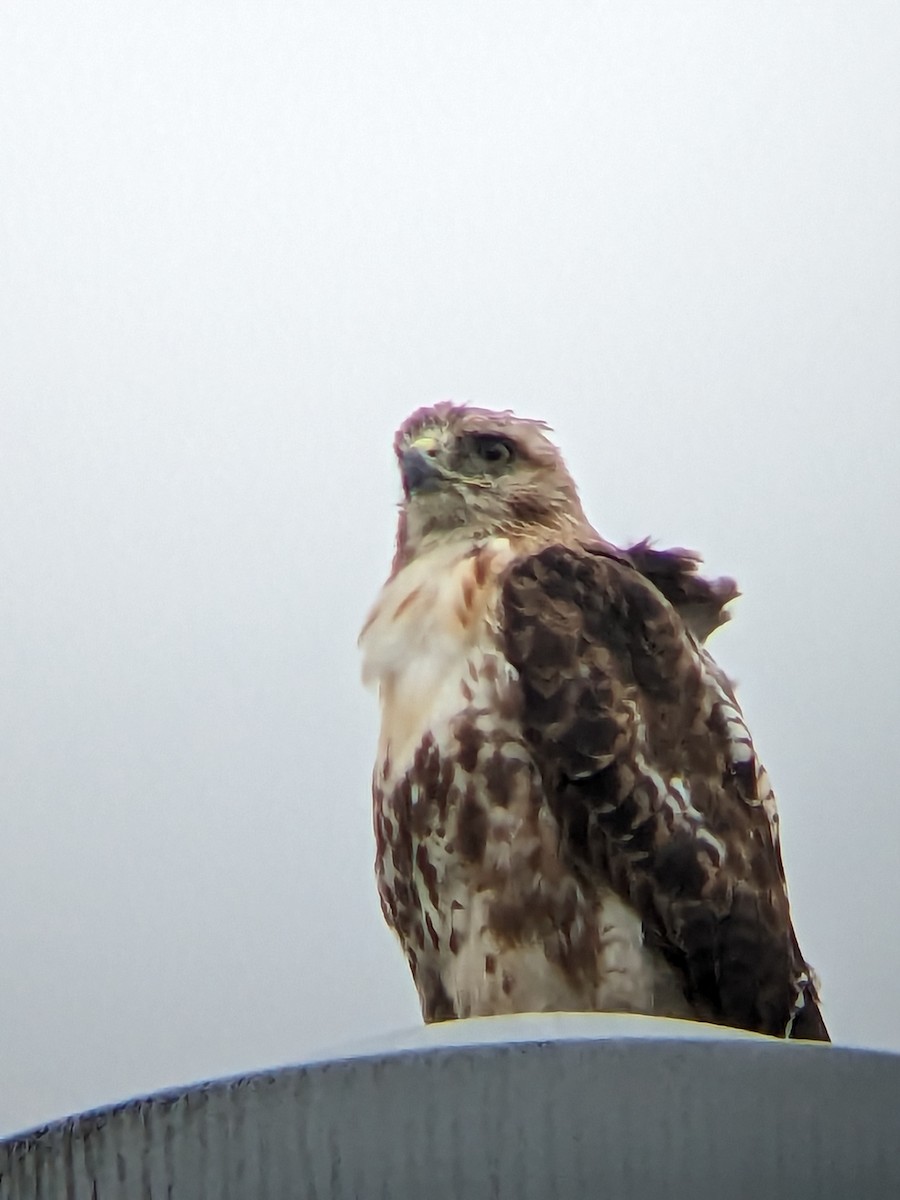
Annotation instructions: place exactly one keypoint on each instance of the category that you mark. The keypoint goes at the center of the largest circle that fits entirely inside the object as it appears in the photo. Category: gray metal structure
(529, 1107)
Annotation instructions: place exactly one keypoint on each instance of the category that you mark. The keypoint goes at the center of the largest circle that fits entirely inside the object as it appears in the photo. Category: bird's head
(470, 474)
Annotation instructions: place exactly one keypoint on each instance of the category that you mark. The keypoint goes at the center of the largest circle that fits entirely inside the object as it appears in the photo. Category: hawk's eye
(493, 450)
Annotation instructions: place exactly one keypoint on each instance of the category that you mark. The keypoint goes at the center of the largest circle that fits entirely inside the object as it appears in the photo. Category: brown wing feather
(635, 737)
(700, 602)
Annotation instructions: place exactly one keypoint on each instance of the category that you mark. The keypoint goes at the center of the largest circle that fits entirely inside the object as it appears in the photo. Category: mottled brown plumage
(569, 812)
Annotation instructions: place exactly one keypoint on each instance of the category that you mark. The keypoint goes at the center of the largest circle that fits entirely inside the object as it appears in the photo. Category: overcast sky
(240, 242)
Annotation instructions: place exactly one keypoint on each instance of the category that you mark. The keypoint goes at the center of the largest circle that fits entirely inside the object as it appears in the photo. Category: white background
(240, 242)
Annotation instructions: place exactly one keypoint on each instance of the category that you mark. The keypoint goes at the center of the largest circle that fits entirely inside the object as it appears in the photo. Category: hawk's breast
(468, 859)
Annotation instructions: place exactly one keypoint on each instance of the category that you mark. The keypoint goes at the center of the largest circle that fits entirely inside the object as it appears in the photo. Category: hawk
(569, 811)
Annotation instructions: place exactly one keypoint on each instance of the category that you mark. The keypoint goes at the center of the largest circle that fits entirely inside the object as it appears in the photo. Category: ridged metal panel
(558, 1109)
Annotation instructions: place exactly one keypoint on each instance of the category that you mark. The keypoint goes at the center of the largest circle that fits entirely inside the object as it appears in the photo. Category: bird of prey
(569, 810)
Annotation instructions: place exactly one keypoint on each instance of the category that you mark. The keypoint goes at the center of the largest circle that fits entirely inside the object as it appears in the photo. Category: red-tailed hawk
(569, 812)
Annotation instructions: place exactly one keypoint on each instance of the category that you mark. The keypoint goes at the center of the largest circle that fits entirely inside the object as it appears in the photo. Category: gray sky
(240, 242)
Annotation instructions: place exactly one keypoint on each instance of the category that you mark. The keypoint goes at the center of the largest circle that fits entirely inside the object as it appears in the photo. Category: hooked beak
(419, 468)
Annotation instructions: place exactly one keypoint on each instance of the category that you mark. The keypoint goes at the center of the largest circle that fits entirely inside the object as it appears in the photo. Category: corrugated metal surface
(551, 1108)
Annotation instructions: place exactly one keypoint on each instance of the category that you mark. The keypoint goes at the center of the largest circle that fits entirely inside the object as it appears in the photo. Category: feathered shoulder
(700, 602)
